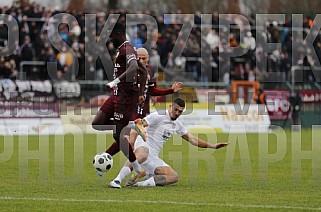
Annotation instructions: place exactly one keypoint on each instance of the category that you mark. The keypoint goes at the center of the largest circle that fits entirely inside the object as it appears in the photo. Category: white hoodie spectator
(249, 41)
(212, 39)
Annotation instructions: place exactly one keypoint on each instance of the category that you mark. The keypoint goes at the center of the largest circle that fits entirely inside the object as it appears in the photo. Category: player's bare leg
(164, 175)
(140, 129)
(103, 122)
(141, 156)
(132, 137)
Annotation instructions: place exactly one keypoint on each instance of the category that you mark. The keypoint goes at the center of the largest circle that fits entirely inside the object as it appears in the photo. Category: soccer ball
(103, 162)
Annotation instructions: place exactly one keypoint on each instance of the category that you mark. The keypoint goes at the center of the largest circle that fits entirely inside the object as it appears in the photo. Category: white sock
(149, 182)
(123, 173)
(136, 166)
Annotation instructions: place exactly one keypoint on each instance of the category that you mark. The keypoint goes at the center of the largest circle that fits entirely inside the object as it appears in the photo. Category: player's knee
(172, 179)
(140, 159)
(175, 177)
(102, 123)
(95, 126)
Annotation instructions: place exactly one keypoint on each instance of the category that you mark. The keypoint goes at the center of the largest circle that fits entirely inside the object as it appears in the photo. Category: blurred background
(246, 7)
(207, 76)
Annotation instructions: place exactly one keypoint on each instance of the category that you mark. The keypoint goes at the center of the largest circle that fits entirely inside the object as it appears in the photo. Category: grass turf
(256, 172)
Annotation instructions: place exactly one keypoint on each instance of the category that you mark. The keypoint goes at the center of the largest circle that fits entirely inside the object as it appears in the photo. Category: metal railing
(22, 75)
(295, 69)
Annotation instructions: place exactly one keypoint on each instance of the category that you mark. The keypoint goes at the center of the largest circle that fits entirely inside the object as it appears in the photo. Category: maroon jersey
(151, 90)
(125, 54)
(121, 106)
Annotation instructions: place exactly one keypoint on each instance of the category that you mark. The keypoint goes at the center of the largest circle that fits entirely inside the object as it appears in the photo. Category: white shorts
(139, 142)
(153, 161)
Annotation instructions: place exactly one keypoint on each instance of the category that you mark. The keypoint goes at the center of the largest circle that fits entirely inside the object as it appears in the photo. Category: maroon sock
(113, 149)
(125, 146)
(127, 149)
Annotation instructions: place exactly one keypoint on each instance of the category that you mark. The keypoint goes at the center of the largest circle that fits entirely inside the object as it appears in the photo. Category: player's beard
(173, 118)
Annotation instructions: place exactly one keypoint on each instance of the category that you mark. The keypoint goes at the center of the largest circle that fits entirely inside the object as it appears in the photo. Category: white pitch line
(161, 202)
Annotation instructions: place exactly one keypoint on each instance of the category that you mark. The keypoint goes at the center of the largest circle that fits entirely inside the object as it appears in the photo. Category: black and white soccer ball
(103, 162)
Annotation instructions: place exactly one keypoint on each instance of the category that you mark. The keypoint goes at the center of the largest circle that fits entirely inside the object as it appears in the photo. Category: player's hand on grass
(220, 145)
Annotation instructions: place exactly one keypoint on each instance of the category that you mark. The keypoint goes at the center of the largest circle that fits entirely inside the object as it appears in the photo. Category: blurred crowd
(201, 54)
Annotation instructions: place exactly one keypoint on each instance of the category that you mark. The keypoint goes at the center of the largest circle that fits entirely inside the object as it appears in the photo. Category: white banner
(31, 126)
(229, 119)
(212, 95)
(81, 122)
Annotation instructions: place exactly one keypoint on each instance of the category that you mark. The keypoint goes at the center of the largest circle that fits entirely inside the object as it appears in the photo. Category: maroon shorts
(121, 109)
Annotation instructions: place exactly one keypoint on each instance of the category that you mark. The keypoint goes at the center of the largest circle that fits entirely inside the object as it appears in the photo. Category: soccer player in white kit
(160, 126)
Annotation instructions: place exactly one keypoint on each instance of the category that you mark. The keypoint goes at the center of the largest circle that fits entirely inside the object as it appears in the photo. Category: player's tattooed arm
(201, 143)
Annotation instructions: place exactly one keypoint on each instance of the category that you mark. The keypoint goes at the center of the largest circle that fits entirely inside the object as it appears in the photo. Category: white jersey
(160, 128)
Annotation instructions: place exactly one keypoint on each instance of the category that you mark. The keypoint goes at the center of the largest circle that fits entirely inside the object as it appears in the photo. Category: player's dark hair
(119, 28)
(180, 102)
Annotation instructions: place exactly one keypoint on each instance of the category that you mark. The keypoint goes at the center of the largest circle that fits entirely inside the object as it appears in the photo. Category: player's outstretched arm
(154, 91)
(201, 143)
(177, 86)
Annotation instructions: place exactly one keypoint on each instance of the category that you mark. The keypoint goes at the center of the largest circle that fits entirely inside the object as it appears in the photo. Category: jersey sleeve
(151, 119)
(181, 128)
(152, 73)
(130, 53)
(154, 91)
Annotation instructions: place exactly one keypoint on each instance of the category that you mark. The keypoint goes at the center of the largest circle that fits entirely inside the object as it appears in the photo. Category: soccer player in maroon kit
(150, 90)
(119, 110)
(151, 85)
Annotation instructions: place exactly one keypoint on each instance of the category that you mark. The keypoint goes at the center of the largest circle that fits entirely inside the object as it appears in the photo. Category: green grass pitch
(256, 172)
